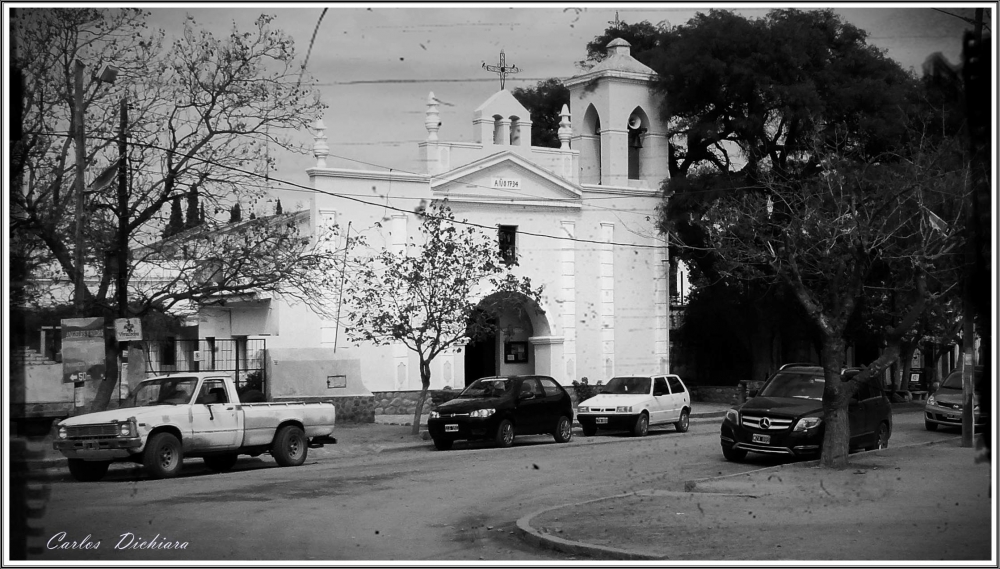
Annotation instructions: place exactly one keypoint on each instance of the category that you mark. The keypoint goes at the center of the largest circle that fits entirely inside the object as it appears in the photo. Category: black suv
(497, 408)
(786, 416)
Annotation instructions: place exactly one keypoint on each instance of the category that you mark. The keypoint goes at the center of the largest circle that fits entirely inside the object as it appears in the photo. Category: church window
(508, 243)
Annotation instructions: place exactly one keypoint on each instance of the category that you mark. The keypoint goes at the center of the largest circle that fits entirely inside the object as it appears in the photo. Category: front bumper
(950, 417)
(616, 421)
(463, 427)
(786, 442)
(102, 449)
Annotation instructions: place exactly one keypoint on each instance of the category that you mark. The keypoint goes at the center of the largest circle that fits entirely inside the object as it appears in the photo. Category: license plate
(91, 446)
(451, 428)
(762, 439)
(602, 420)
(953, 417)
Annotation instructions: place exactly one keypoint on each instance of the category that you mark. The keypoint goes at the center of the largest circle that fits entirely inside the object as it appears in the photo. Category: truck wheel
(290, 446)
(641, 426)
(684, 422)
(88, 471)
(589, 429)
(164, 456)
(443, 444)
(505, 434)
(733, 454)
(564, 430)
(221, 462)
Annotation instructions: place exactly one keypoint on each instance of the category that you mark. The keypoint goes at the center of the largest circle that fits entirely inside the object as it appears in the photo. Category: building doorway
(480, 359)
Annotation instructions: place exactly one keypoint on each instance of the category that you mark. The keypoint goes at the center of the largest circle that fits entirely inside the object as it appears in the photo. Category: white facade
(583, 217)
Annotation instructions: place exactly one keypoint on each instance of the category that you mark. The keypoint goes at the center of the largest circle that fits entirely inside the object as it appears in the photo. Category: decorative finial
(433, 120)
(503, 69)
(320, 148)
(565, 129)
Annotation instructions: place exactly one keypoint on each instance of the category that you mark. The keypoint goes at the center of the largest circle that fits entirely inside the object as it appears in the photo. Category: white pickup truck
(169, 417)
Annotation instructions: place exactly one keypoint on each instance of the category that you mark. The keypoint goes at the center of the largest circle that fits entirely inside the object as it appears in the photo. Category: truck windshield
(798, 385)
(487, 387)
(627, 385)
(162, 391)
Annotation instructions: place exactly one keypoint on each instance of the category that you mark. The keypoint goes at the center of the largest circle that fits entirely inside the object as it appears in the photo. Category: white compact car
(636, 402)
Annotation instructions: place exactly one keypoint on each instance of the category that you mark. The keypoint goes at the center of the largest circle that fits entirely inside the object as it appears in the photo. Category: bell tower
(620, 136)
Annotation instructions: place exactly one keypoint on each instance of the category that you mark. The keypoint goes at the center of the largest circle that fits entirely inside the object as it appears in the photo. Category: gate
(242, 358)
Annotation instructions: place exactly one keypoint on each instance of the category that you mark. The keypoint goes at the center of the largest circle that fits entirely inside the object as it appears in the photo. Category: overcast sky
(375, 65)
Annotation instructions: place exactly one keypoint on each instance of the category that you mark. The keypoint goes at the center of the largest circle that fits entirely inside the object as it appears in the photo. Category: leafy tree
(277, 208)
(423, 297)
(235, 213)
(203, 111)
(544, 102)
(642, 36)
(825, 237)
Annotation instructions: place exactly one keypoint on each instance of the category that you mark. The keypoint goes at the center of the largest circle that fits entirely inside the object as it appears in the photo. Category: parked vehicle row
(499, 408)
(945, 406)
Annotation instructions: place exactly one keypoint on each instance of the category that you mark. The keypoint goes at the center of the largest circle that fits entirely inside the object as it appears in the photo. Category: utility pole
(972, 53)
(121, 283)
(81, 167)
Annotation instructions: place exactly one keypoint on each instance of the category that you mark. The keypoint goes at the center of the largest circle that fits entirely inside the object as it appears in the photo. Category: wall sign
(506, 183)
(128, 329)
(515, 352)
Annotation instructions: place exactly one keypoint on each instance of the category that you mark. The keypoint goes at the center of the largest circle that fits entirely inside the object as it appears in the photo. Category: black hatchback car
(498, 408)
(786, 416)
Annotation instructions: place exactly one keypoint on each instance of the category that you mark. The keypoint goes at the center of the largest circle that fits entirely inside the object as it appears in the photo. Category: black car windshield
(627, 385)
(795, 384)
(488, 387)
(954, 380)
(162, 391)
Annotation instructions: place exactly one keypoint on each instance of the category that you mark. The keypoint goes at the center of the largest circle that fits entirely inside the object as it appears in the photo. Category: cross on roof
(503, 69)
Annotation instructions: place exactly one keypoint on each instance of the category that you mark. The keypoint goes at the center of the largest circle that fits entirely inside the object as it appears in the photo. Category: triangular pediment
(506, 177)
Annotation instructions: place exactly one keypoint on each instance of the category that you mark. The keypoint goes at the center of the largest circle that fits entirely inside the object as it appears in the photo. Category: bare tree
(201, 113)
(425, 297)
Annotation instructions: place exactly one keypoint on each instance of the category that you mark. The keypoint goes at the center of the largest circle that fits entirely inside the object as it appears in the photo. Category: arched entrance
(510, 350)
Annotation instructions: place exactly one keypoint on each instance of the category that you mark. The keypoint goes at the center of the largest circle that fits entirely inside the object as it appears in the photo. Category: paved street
(412, 503)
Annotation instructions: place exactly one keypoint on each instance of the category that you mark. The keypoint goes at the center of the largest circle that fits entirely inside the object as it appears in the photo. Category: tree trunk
(106, 388)
(425, 381)
(836, 433)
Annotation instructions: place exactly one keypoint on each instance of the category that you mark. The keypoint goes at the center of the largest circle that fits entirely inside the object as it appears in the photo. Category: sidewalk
(919, 502)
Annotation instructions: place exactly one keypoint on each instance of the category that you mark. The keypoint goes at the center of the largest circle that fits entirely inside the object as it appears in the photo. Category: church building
(579, 220)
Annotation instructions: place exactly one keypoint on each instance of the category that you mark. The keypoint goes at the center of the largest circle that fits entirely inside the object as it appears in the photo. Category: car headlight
(733, 415)
(435, 415)
(931, 400)
(584, 409)
(62, 432)
(806, 423)
(623, 409)
(482, 413)
(125, 429)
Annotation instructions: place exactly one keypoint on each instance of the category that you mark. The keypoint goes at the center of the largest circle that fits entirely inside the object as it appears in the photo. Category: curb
(535, 537)
(691, 485)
